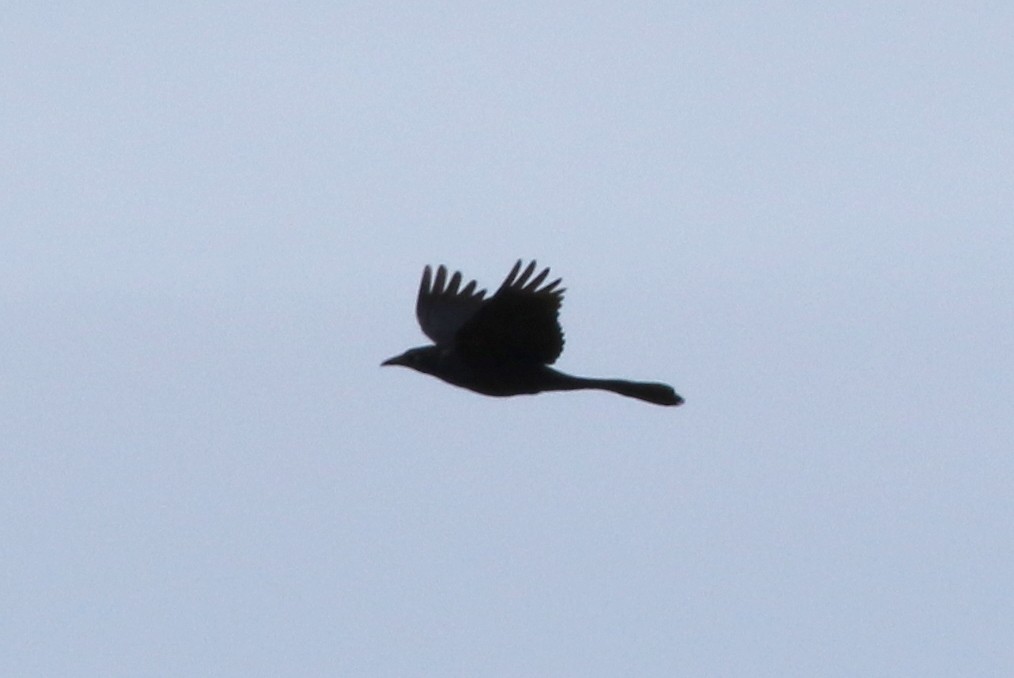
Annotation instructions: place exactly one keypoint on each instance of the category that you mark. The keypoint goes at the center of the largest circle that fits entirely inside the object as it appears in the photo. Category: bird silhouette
(503, 345)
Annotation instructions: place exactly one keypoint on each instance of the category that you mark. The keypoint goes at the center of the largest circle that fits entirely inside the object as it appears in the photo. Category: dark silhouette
(503, 346)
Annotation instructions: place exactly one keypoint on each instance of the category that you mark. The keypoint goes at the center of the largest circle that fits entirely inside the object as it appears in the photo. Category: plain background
(214, 217)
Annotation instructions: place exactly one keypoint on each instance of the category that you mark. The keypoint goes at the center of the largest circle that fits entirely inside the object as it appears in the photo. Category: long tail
(648, 391)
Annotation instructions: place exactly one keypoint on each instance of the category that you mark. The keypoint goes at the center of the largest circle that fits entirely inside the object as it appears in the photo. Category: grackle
(503, 345)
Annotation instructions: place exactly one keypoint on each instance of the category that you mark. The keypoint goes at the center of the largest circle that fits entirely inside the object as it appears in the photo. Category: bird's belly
(501, 379)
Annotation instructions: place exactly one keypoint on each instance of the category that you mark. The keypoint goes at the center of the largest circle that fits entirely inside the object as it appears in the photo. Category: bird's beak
(396, 360)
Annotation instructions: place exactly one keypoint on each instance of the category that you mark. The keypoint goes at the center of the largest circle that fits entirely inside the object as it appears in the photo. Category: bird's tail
(652, 392)
(648, 391)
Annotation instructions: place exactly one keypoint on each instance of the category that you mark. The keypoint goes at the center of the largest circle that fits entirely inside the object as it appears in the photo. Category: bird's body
(503, 346)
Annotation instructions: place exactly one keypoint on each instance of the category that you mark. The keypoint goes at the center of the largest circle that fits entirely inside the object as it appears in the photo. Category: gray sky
(214, 220)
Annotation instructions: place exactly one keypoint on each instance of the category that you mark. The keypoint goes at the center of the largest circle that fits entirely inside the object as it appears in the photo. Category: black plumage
(503, 345)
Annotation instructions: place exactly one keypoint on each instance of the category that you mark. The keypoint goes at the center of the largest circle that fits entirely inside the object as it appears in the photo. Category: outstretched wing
(519, 322)
(442, 308)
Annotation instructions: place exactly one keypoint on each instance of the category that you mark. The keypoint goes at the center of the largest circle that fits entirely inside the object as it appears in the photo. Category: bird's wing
(519, 322)
(442, 308)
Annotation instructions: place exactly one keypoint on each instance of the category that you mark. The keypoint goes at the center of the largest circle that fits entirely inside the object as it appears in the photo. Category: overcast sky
(213, 218)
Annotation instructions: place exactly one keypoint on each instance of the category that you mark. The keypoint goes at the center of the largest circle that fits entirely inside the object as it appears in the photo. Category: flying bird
(503, 345)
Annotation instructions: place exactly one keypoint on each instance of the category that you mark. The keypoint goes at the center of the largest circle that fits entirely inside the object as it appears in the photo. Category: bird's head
(422, 359)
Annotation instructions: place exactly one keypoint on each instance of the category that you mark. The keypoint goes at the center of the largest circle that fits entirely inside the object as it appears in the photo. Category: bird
(503, 345)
